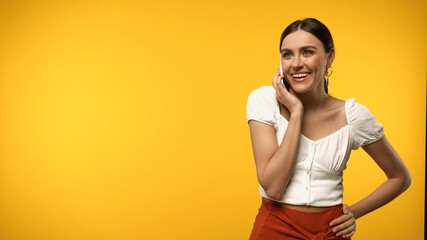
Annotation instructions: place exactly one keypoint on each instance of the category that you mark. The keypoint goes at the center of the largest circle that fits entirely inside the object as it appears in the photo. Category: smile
(300, 77)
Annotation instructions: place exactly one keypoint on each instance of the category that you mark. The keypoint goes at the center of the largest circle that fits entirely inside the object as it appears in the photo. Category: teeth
(300, 75)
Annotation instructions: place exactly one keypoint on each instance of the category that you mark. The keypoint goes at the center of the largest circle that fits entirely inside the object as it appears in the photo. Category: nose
(296, 62)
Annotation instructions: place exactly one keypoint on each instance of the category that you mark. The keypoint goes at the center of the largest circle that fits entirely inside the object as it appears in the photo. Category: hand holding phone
(284, 80)
(288, 99)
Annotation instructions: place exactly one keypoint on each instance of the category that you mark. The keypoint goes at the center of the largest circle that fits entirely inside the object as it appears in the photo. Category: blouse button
(308, 172)
(306, 188)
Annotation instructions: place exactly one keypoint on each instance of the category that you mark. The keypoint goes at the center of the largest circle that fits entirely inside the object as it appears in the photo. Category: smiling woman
(318, 46)
(302, 139)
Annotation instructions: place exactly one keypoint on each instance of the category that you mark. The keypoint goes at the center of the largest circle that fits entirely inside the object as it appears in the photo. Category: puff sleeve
(262, 106)
(365, 129)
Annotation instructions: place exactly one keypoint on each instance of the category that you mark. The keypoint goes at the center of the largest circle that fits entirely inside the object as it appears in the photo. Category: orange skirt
(277, 222)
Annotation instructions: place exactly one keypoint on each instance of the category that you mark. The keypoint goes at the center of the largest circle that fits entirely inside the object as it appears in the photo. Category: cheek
(286, 65)
(315, 63)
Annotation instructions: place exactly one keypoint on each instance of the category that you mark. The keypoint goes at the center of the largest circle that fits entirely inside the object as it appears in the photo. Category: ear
(331, 58)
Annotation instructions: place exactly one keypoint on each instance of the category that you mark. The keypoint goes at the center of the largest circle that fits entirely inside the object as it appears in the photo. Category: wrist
(353, 211)
(297, 111)
(296, 115)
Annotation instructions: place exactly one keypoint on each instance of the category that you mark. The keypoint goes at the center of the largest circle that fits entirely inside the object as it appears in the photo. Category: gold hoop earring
(327, 76)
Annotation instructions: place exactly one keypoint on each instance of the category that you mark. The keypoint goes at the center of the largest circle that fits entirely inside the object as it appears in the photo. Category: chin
(300, 89)
(304, 87)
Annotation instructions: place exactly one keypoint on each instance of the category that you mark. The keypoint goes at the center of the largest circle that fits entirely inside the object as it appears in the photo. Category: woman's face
(305, 61)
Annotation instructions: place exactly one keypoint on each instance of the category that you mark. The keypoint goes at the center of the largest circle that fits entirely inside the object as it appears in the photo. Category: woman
(302, 139)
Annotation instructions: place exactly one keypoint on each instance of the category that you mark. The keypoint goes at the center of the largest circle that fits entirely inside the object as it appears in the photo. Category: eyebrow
(301, 48)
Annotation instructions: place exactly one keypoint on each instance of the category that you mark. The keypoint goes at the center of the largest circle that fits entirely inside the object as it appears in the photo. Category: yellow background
(127, 119)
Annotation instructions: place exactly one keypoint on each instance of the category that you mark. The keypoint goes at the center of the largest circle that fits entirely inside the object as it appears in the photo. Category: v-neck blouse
(317, 176)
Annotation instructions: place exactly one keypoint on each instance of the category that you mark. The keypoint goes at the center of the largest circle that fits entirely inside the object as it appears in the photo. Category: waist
(302, 208)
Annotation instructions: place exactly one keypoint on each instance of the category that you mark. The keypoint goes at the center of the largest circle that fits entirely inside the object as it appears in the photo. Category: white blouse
(317, 177)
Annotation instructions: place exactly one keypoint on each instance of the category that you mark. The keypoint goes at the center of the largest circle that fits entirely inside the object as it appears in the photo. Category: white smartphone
(284, 80)
(281, 69)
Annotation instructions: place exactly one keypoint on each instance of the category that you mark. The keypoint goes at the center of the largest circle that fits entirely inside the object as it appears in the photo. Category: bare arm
(275, 164)
(399, 178)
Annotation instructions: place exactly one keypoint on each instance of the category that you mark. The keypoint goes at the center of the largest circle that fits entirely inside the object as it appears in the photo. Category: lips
(299, 77)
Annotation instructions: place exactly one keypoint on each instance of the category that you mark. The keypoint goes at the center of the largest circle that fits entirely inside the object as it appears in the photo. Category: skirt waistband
(336, 208)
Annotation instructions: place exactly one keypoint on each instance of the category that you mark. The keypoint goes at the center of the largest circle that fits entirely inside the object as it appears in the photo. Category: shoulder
(336, 104)
(264, 96)
(262, 105)
(365, 128)
(355, 110)
(336, 100)
(264, 91)
(335, 109)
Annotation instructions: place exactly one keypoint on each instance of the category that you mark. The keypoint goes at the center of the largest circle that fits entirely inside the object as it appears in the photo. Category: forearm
(279, 169)
(388, 191)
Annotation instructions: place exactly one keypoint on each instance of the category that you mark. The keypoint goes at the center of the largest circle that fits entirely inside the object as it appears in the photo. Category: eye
(286, 54)
(308, 52)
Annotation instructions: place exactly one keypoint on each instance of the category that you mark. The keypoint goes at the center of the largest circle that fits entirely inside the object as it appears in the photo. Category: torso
(317, 125)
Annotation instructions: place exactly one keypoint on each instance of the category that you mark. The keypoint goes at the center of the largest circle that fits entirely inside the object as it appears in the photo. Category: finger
(274, 83)
(339, 220)
(275, 80)
(279, 84)
(282, 80)
(282, 86)
(350, 234)
(350, 224)
(276, 75)
(345, 208)
(346, 231)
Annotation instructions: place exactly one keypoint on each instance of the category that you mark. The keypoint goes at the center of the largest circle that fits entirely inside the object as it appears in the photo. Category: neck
(313, 100)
